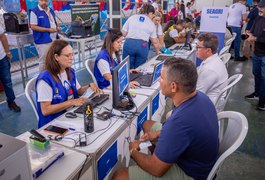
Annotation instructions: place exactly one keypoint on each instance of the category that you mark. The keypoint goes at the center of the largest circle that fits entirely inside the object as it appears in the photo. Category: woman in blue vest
(57, 87)
(108, 58)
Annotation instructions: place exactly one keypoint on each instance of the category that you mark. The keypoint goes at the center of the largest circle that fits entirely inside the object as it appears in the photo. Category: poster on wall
(87, 15)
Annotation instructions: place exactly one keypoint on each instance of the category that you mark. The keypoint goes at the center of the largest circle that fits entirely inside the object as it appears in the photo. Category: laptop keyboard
(162, 57)
(133, 76)
(145, 80)
(95, 101)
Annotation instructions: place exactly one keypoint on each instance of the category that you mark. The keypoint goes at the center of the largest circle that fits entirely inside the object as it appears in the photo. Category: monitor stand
(125, 103)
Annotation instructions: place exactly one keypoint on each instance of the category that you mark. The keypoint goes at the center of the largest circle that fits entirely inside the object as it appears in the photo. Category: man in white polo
(237, 14)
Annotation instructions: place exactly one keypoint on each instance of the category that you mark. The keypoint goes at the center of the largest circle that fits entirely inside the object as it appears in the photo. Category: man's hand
(134, 145)
(52, 30)
(149, 136)
(9, 55)
(251, 38)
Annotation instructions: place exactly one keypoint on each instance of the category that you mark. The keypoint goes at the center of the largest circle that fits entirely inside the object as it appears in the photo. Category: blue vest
(59, 95)
(43, 21)
(102, 82)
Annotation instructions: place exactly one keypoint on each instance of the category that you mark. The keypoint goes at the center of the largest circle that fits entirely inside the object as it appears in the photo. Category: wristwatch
(8, 53)
(133, 149)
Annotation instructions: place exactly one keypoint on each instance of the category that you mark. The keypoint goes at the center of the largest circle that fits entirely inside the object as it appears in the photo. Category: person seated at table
(186, 145)
(57, 88)
(174, 34)
(212, 71)
(108, 58)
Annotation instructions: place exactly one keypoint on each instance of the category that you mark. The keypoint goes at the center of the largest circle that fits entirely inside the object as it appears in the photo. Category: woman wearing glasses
(108, 58)
(57, 87)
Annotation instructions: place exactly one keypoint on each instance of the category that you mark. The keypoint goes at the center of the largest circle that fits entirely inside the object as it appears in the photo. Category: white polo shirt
(140, 26)
(212, 75)
(2, 50)
(159, 30)
(34, 20)
(235, 13)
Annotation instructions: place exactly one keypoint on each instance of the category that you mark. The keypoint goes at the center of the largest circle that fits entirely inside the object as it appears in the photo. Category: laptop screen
(188, 36)
(157, 72)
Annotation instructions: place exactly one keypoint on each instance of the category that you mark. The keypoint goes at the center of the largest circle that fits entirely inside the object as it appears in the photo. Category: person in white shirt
(155, 5)
(137, 30)
(236, 15)
(44, 26)
(57, 88)
(212, 73)
(159, 31)
(174, 34)
(188, 11)
(5, 75)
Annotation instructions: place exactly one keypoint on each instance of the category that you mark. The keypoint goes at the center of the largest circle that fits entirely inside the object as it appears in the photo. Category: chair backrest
(30, 92)
(90, 68)
(232, 137)
(225, 93)
(229, 42)
(225, 58)
(224, 50)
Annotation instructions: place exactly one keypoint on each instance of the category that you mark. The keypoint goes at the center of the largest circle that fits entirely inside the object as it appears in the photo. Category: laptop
(163, 57)
(148, 79)
(186, 45)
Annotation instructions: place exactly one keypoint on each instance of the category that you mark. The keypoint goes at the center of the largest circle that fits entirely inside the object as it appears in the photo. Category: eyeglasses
(68, 55)
(198, 47)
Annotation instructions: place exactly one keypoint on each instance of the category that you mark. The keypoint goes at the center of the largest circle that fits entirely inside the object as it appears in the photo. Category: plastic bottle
(88, 118)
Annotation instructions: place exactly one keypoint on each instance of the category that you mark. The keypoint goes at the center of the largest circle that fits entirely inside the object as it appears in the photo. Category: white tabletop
(103, 130)
(64, 168)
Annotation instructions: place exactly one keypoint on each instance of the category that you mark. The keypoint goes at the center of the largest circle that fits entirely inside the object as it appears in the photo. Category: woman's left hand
(134, 84)
(95, 88)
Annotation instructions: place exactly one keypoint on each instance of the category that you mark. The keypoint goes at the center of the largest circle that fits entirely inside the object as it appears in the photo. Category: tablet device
(56, 130)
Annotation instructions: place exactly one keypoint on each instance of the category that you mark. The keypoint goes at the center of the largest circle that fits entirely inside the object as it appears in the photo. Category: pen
(72, 129)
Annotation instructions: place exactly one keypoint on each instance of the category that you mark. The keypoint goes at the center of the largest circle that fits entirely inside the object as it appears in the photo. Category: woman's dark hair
(147, 8)
(168, 25)
(182, 9)
(51, 64)
(111, 36)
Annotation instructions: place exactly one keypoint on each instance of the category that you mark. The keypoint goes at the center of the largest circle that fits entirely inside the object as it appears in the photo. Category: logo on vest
(141, 19)
(57, 95)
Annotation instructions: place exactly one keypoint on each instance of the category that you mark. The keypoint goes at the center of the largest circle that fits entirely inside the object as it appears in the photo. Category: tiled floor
(248, 162)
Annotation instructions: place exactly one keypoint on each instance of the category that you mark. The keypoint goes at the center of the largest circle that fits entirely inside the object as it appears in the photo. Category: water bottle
(11, 6)
(88, 118)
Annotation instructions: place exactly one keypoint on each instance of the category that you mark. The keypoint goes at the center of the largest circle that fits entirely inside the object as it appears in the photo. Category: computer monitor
(120, 86)
(157, 71)
(187, 42)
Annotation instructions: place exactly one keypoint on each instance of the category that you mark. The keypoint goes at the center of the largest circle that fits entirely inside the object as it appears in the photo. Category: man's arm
(4, 41)
(244, 17)
(42, 29)
(150, 164)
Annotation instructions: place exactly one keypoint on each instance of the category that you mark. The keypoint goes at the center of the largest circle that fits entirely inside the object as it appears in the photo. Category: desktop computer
(14, 159)
(120, 85)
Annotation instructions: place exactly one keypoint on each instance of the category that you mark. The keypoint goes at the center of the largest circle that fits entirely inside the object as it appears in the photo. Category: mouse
(71, 115)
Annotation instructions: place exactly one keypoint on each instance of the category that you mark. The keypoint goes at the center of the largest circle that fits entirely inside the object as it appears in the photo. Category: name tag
(41, 17)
